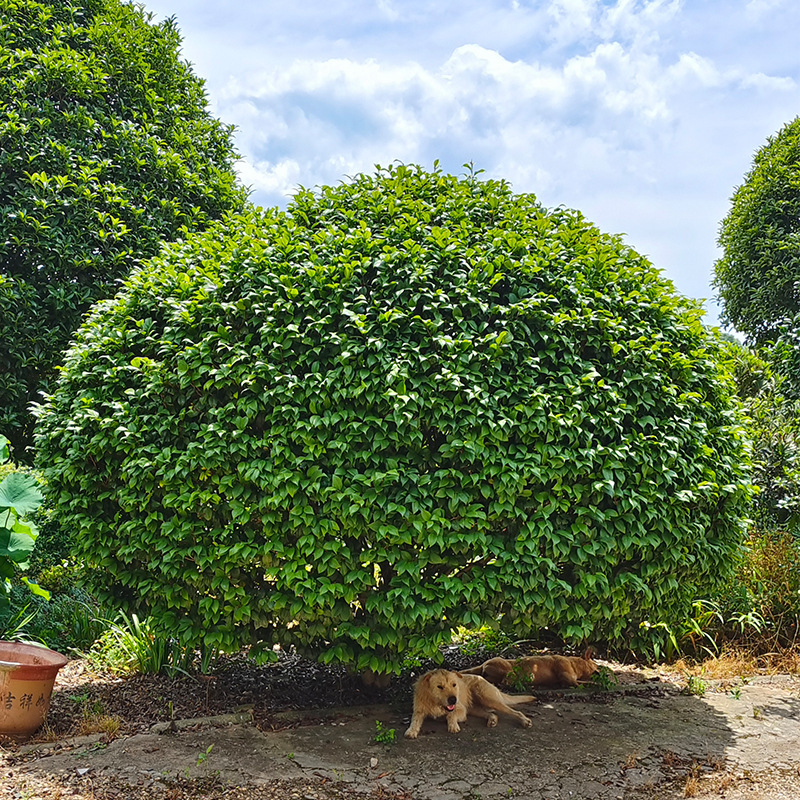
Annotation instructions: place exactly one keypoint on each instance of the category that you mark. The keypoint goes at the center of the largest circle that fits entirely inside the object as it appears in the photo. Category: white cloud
(637, 21)
(312, 116)
(768, 83)
(692, 69)
(271, 178)
(388, 10)
(756, 9)
(477, 101)
(642, 113)
(572, 20)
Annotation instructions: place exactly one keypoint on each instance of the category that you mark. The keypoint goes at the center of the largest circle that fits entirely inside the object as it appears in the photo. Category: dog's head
(443, 688)
(589, 667)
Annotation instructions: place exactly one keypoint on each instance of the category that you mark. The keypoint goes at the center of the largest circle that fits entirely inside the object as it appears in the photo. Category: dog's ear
(426, 678)
(587, 656)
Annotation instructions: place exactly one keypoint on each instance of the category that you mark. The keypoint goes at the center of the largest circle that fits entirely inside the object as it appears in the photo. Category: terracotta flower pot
(27, 675)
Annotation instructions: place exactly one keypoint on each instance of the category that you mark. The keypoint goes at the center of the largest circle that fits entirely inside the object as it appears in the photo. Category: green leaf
(36, 589)
(20, 492)
(15, 546)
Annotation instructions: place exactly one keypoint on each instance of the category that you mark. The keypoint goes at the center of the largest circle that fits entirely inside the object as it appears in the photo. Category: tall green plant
(19, 496)
(129, 645)
(107, 150)
(409, 403)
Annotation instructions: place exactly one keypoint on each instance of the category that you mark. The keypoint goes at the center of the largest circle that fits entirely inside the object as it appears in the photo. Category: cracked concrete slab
(604, 748)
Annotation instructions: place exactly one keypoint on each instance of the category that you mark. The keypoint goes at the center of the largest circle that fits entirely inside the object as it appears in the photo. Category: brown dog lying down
(551, 671)
(450, 694)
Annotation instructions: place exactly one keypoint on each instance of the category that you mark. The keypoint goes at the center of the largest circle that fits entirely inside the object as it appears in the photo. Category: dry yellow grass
(697, 785)
(99, 723)
(734, 663)
(630, 761)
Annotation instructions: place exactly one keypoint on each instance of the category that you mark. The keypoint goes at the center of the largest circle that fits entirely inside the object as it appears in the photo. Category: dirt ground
(644, 739)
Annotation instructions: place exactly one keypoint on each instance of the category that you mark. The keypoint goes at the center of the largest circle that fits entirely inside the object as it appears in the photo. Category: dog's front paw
(454, 728)
(491, 721)
(526, 722)
(411, 734)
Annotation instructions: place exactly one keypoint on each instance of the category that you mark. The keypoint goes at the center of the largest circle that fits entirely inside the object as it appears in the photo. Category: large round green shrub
(410, 402)
(107, 149)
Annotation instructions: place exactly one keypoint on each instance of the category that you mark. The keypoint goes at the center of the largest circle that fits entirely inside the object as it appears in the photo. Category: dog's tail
(518, 699)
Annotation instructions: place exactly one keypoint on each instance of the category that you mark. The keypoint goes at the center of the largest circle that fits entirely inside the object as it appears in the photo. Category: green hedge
(410, 402)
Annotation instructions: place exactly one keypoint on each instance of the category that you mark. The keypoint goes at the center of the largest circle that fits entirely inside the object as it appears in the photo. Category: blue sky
(642, 114)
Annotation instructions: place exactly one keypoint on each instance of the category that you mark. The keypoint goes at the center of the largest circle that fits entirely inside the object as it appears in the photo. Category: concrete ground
(740, 740)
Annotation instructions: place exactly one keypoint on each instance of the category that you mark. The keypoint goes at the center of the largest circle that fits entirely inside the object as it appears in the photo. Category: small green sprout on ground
(736, 692)
(758, 713)
(604, 679)
(383, 735)
(203, 757)
(695, 685)
(89, 709)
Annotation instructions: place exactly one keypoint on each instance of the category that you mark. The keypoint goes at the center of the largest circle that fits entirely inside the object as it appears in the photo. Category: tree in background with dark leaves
(758, 275)
(107, 149)
(759, 281)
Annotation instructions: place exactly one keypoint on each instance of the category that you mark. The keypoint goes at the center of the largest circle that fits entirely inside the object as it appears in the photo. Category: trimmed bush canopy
(108, 149)
(408, 403)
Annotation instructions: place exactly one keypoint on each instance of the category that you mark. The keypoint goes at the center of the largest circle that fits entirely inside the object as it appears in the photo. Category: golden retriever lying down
(450, 694)
(552, 671)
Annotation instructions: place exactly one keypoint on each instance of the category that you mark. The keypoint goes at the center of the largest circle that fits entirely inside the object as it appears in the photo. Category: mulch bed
(83, 697)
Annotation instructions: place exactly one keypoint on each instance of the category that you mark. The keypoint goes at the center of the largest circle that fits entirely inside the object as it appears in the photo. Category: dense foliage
(69, 620)
(773, 426)
(107, 149)
(19, 497)
(785, 358)
(775, 430)
(758, 275)
(409, 403)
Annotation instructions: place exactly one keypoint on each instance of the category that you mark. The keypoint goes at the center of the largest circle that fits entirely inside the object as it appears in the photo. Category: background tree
(410, 402)
(785, 358)
(758, 276)
(759, 281)
(765, 585)
(107, 149)
(773, 425)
